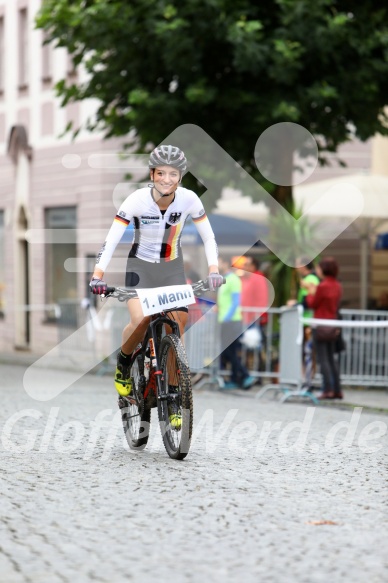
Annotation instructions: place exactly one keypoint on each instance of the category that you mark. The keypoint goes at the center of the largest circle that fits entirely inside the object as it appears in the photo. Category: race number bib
(159, 299)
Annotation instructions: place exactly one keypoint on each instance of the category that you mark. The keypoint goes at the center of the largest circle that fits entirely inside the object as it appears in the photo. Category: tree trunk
(283, 195)
(283, 153)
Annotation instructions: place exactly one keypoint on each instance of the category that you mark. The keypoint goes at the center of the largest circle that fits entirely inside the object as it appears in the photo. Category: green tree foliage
(233, 67)
(299, 240)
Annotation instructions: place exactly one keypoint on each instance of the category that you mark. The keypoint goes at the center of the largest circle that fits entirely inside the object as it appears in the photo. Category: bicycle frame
(154, 330)
(169, 381)
(154, 334)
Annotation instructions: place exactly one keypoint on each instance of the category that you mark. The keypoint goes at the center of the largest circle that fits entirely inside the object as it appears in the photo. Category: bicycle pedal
(174, 395)
(130, 400)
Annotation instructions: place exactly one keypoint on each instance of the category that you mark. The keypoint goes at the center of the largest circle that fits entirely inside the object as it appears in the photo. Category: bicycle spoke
(135, 416)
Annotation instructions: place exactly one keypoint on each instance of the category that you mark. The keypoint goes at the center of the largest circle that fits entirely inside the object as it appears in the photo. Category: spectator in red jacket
(324, 299)
(254, 293)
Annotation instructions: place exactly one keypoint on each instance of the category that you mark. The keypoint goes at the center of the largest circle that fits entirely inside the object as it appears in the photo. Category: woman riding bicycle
(158, 213)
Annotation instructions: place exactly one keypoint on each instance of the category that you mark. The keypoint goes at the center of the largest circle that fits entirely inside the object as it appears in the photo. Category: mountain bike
(160, 372)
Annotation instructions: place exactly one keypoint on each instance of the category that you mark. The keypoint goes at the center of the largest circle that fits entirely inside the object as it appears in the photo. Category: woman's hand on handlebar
(98, 286)
(215, 280)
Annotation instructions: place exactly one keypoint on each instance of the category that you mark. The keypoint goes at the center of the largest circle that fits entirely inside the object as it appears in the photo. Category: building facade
(57, 196)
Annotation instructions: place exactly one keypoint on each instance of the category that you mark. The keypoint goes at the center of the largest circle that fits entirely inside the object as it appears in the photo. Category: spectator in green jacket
(306, 273)
(230, 318)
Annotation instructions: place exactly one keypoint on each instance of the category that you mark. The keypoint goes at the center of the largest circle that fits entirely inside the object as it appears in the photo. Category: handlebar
(122, 294)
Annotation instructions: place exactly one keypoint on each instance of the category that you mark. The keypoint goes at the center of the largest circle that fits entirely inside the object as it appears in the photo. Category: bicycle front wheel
(175, 402)
(135, 414)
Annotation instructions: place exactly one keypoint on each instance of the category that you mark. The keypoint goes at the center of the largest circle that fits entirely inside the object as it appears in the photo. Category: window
(2, 266)
(1, 54)
(46, 60)
(23, 49)
(71, 70)
(61, 285)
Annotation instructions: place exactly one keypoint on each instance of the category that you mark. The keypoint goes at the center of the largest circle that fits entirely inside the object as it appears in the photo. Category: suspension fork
(154, 338)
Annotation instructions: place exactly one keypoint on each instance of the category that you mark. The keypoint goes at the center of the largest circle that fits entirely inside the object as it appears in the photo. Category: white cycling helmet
(168, 156)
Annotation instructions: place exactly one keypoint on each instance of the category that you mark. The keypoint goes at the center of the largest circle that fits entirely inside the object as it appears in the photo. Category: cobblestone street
(269, 492)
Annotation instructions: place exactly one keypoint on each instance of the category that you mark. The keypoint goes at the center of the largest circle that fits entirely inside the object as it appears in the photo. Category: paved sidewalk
(375, 399)
(372, 398)
(269, 493)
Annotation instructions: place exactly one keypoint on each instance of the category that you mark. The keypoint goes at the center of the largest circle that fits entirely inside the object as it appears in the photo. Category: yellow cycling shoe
(123, 383)
(176, 421)
(174, 413)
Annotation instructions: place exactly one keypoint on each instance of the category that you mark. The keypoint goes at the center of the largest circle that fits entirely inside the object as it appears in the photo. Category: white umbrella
(242, 207)
(374, 189)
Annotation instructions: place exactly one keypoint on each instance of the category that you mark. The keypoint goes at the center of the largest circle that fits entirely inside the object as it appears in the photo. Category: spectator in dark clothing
(324, 299)
(191, 275)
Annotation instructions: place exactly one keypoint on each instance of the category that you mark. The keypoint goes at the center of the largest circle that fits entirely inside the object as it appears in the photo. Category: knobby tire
(136, 418)
(176, 442)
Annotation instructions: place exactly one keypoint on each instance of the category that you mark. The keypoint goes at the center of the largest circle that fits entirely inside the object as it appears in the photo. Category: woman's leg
(134, 332)
(230, 333)
(239, 372)
(230, 356)
(325, 367)
(181, 318)
(334, 370)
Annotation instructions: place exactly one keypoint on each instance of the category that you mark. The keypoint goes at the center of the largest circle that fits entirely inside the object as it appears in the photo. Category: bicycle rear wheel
(175, 403)
(135, 415)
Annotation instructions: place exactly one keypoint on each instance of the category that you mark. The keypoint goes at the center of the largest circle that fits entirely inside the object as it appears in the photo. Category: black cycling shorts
(146, 274)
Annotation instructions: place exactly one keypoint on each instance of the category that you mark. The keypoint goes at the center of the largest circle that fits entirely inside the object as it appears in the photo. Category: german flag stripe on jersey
(172, 242)
(121, 220)
(199, 219)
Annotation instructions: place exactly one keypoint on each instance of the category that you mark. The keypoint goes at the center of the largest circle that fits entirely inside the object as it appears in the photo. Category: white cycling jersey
(157, 236)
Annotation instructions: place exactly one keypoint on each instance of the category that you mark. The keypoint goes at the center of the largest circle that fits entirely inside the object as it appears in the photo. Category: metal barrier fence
(364, 362)
(89, 337)
(72, 316)
(203, 345)
(84, 332)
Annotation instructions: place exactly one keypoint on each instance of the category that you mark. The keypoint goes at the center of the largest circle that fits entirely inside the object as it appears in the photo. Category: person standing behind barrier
(306, 273)
(324, 299)
(254, 293)
(230, 319)
(382, 302)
